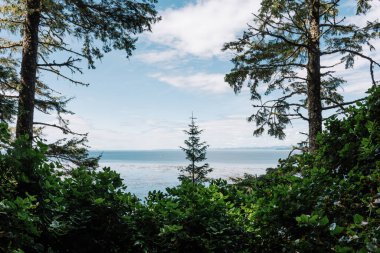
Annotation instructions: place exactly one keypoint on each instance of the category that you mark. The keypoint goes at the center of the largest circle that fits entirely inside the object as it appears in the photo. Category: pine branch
(372, 62)
(68, 63)
(58, 73)
(340, 105)
(63, 129)
(13, 45)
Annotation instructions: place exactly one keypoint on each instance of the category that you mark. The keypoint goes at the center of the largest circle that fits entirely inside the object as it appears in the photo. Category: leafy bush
(19, 224)
(196, 218)
(81, 210)
(327, 201)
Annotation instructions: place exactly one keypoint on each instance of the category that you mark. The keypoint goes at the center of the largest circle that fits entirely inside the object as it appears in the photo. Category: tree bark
(24, 124)
(314, 77)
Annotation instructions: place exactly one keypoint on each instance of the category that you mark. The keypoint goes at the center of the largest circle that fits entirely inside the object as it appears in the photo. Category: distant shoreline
(210, 149)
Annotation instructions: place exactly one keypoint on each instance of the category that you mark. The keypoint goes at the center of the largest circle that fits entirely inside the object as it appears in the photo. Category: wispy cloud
(158, 56)
(196, 31)
(200, 81)
(371, 15)
(201, 28)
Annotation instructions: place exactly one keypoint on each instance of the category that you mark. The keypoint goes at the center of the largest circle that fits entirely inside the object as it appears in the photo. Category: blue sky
(145, 102)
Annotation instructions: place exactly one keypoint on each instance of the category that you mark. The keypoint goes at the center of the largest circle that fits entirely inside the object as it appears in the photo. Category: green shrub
(198, 218)
(327, 201)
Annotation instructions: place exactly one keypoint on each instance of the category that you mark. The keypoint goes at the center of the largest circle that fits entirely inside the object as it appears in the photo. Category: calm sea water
(144, 171)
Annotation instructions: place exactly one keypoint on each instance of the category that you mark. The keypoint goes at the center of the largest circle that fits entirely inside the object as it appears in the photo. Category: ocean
(144, 171)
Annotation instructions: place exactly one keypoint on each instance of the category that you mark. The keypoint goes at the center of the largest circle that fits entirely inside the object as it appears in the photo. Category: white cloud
(200, 81)
(371, 15)
(202, 28)
(198, 29)
(158, 56)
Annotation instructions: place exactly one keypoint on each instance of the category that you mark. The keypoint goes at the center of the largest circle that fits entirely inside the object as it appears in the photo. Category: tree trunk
(24, 124)
(314, 77)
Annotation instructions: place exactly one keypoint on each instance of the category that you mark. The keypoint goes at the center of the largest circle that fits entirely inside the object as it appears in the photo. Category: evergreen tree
(282, 52)
(195, 151)
(39, 31)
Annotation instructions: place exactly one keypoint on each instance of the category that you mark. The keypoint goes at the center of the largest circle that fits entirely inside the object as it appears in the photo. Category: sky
(145, 102)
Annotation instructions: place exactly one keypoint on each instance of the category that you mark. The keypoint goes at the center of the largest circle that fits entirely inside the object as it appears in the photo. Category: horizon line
(175, 149)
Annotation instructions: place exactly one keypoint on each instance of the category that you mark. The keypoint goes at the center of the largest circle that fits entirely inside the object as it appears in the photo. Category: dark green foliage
(19, 224)
(196, 218)
(92, 216)
(80, 210)
(327, 201)
(195, 151)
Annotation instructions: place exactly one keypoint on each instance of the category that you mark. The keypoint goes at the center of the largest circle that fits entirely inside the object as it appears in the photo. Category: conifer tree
(40, 31)
(195, 151)
(280, 56)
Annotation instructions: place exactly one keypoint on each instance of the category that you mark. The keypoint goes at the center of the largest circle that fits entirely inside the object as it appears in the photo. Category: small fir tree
(195, 152)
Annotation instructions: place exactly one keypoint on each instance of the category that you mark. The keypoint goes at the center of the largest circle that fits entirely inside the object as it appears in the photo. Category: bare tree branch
(63, 129)
(340, 105)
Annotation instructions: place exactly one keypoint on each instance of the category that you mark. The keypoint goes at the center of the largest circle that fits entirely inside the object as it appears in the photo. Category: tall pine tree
(37, 45)
(280, 56)
(39, 32)
(195, 151)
